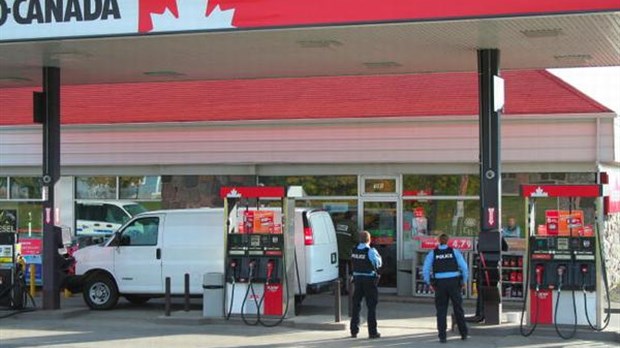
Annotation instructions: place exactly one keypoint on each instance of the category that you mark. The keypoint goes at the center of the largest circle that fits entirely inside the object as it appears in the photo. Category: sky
(601, 83)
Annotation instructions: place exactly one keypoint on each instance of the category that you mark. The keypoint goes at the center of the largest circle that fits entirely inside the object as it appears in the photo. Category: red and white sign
(611, 201)
(252, 192)
(491, 217)
(538, 191)
(31, 246)
(39, 19)
(461, 243)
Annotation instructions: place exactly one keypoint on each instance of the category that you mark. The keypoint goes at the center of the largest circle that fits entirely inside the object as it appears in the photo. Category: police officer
(366, 261)
(450, 273)
(347, 237)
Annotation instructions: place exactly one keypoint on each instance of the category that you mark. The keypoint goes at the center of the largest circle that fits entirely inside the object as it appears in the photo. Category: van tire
(100, 292)
(137, 299)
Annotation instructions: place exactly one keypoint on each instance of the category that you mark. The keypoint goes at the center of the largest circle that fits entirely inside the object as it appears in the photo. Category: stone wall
(611, 246)
(196, 191)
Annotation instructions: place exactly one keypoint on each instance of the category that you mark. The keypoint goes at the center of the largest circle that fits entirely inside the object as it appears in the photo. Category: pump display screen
(541, 244)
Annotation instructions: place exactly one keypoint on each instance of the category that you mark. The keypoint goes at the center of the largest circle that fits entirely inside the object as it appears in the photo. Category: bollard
(33, 288)
(337, 300)
(186, 292)
(167, 297)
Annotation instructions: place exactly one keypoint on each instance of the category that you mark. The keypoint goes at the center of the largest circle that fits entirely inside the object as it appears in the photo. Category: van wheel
(100, 292)
(136, 299)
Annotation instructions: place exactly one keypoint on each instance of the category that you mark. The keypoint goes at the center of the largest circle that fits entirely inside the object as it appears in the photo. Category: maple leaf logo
(233, 194)
(539, 192)
(190, 15)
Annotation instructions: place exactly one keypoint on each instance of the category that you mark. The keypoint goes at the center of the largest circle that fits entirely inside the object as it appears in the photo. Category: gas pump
(564, 259)
(12, 286)
(257, 239)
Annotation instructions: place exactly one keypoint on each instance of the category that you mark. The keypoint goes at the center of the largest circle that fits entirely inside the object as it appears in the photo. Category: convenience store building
(374, 135)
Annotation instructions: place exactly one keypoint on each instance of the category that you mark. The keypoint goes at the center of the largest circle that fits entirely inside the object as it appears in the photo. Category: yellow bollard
(33, 289)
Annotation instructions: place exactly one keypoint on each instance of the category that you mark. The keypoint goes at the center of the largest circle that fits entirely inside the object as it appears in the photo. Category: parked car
(136, 260)
(102, 218)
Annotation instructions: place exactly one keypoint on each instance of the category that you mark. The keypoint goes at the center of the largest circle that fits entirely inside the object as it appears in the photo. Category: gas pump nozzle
(251, 266)
(270, 267)
(561, 270)
(540, 270)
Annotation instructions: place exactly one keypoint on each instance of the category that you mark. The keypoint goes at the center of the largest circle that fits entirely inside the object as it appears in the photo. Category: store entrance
(379, 218)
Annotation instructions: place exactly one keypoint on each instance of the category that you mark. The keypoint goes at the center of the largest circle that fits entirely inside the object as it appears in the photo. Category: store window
(95, 187)
(25, 188)
(4, 191)
(441, 185)
(318, 185)
(140, 187)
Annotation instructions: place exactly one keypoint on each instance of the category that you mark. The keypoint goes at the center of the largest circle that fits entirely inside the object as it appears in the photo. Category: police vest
(444, 261)
(360, 261)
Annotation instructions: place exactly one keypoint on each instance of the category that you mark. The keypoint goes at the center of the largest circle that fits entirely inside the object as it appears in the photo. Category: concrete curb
(320, 323)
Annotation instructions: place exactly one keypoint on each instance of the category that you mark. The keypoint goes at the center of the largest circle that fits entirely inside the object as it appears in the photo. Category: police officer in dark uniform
(366, 261)
(449, 276)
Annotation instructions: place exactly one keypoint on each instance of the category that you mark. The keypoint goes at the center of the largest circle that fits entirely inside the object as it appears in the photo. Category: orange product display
(259, 221)
(566, 223)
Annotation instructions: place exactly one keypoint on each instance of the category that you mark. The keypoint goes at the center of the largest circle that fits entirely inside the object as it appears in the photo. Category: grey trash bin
(213, 295)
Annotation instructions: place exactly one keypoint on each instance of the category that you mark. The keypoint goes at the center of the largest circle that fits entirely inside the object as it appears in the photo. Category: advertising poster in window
(8, 221)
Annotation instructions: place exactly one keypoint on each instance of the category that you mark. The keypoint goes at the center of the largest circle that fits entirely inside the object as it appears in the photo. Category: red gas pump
(564, 258)
(256, 251)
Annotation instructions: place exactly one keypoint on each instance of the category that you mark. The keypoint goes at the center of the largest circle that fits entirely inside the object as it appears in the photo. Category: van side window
(91, 212)
(141, 232)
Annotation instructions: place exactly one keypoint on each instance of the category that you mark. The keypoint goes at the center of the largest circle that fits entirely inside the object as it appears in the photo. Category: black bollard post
(167, 297)
(337, 300)
(187, 292)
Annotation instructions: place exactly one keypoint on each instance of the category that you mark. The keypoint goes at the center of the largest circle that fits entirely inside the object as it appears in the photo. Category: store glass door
(380, 220)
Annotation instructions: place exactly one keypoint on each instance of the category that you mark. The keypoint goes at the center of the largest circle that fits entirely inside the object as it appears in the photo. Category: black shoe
(464, 337)
(377, 335)
(353, 335)
(443, 340)
(474, 319)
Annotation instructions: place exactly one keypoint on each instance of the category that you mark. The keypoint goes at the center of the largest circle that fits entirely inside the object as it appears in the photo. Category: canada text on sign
(57, 11)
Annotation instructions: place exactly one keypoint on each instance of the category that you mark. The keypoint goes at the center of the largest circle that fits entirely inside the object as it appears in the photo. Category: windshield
(134, 209)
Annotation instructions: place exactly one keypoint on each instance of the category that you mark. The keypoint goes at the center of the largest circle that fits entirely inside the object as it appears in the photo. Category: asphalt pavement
(402, 322)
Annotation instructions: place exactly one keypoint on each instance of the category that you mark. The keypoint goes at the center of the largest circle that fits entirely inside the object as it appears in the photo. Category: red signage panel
(561, 191)
(612, 193)
(269, 13)
(38, 19)
(461, 243)
(252, 192)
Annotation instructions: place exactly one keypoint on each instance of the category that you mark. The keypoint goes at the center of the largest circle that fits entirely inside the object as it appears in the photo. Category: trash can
(213, 295)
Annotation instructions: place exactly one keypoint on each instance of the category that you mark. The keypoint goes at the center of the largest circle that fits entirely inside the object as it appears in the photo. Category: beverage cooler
(512, 266)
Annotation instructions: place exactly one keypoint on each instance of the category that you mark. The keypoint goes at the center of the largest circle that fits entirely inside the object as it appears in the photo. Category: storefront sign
(612, 191)
(40, 19)
(461, 243)
(31, 246)
(8, 221)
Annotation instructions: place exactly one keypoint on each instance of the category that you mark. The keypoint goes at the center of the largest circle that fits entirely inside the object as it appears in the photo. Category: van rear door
(322, 253)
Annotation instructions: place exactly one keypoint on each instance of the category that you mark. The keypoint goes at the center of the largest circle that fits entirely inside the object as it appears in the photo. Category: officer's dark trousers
(447, 290)
(365, 287)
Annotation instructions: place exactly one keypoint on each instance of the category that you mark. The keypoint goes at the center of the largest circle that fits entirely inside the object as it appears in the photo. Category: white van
(135, 262)
(102, 218)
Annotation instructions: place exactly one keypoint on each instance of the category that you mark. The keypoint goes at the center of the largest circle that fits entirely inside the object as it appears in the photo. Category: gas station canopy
(109, 41)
